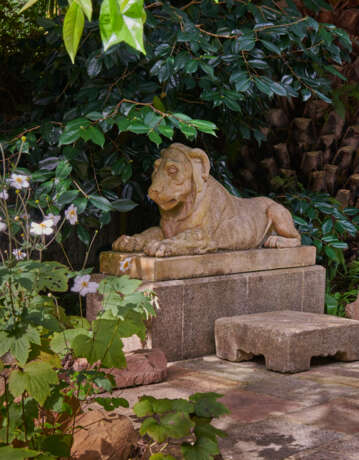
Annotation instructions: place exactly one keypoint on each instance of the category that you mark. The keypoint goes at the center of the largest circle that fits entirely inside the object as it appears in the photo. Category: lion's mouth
(166, 205)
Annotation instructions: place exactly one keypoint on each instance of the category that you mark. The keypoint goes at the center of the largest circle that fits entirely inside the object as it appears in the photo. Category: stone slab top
(138, 265)
(288, 322)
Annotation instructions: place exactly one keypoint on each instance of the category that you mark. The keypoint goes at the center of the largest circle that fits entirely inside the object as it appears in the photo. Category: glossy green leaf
(86, 6)
(155, 137)
(72, 29)
(94, 134)
(100, 202)
(63, 169)
(122, 20)
(67, 197)
(271, 46)
(123, 205)
(83, 235)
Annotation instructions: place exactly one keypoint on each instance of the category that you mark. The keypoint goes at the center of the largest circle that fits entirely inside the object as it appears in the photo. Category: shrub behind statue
(199, 215)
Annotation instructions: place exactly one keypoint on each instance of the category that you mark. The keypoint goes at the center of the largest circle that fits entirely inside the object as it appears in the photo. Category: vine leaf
(35, 378)
(13, 453)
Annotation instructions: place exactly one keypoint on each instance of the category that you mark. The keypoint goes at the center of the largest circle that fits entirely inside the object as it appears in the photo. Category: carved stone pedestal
(184, 326)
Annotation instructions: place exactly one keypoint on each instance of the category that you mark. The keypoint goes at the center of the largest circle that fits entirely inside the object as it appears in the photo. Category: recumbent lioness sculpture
(199, 215)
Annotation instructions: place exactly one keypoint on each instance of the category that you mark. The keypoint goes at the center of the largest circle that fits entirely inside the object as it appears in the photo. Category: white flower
(4, 195)
(71, 214)
(44, 228)
(84, 286)
(125, 264)
(19, 255)
(19, 181)
(3, 226)
(55, 219)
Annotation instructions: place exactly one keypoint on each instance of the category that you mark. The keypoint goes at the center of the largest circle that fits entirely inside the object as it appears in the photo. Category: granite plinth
(287, 339)
(184, 325)
(137, 265)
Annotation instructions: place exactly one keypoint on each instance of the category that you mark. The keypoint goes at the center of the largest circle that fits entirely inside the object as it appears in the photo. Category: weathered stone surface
(352, 309)
(198, 215)
(103, 436)
(143, 367)
(192, 266)
(288, 339)
(184, 325)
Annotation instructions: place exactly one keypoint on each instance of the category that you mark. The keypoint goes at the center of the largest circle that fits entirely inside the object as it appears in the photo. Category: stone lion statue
(199, 215)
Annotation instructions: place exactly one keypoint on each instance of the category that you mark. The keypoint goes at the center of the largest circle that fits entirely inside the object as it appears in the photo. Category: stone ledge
(196, 266)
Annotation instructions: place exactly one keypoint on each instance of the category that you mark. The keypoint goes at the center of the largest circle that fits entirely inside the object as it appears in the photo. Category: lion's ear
(201, 167)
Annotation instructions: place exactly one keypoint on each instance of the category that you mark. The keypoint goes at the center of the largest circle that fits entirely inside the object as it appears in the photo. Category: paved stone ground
(312, 415)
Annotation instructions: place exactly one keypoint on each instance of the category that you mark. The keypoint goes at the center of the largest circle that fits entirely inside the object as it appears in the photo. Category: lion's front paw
(159, 248)
(127, 243)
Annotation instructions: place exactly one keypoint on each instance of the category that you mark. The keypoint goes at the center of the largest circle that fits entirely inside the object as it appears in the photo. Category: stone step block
(287, 339)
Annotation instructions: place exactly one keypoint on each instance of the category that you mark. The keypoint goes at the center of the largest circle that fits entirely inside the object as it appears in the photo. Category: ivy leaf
(72, 29)
(144, 407)
(122, 20)
(206, 405)
(110, 404)
(203, 449)
(35, 378)
(175, 425)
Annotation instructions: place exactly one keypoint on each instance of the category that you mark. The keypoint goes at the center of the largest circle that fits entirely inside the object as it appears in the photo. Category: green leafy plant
(41, 399)
(323, 222)
(180, 419)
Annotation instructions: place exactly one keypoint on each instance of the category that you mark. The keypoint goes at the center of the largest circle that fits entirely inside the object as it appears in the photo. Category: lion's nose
(153, 193)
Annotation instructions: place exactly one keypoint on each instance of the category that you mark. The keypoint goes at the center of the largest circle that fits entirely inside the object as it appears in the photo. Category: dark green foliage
(182, 419)
(100, 121)
(323, 223)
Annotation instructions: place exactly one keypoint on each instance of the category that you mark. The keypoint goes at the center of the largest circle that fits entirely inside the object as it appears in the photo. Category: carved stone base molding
(217, 263)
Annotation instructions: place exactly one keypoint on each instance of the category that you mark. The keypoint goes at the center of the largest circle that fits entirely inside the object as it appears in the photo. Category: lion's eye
(172, 170)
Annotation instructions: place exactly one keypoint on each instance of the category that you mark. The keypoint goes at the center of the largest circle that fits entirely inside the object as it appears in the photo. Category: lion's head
(179, 173)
